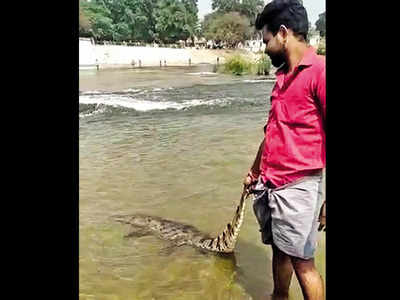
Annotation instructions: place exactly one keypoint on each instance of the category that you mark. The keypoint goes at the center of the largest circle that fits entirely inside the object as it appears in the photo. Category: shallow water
(175, 143)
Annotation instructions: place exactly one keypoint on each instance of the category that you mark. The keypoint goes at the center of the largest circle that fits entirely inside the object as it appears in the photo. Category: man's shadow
(252, 264)
(254, 269)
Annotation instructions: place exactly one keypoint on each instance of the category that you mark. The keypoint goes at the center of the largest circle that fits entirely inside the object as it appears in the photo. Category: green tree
(191, 22)
(120, 15)
(84, 23)
(320, 24)
(225, 5)
(135, 19)
(140, 20)
(121, 19)
(230, 28)
(250, 8)
(100, 18)
(176, 20)
(207, 21)
(169, 20)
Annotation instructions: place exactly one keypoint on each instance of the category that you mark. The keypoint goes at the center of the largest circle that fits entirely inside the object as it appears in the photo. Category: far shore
(270, 76)
(117, 56)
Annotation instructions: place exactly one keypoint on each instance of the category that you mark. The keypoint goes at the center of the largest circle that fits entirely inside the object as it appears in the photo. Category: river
(173, 142)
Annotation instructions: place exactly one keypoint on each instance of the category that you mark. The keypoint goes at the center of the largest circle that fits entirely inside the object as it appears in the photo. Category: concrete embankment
(115, 56)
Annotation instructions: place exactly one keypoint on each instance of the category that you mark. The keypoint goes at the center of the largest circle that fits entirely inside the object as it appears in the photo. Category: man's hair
(290, 13)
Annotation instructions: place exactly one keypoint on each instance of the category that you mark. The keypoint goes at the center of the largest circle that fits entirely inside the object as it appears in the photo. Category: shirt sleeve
(269, 114)
(321, 93)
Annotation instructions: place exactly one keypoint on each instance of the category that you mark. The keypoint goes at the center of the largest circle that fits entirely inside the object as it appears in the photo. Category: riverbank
(164, 57)
(116, 56)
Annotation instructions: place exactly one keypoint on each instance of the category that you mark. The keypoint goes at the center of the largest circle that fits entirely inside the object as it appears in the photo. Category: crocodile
(184, 234)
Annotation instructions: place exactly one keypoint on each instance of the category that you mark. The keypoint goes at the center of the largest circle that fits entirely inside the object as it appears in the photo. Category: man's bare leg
(282, 270)
(310, 280)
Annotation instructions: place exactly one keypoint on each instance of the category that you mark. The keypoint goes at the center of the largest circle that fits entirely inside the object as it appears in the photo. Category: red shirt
(294, 134)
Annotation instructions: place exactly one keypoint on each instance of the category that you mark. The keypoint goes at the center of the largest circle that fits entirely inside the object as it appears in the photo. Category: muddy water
(174, 143)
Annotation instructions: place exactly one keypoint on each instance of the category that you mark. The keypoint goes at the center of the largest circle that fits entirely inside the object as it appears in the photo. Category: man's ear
(284, 31)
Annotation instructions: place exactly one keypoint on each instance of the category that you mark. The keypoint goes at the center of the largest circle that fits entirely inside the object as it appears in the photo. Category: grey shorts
(288, 215)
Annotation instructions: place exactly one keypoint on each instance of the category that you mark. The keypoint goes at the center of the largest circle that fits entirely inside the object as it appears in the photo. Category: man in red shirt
(290, 160)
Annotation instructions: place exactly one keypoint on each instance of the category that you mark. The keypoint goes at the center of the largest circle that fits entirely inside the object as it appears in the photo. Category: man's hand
(322, 218)
(249, 181)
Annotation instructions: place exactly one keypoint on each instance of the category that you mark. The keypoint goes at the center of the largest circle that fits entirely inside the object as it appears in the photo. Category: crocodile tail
(225, 242)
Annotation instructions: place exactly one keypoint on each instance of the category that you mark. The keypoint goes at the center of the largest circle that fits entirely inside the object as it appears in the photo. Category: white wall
(87, 54)
(254, 45)
(109, 55)
(120, 55)
(314, 40)
(115, 56)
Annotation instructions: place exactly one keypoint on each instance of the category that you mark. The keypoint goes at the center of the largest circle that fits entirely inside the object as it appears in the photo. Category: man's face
(274, 47)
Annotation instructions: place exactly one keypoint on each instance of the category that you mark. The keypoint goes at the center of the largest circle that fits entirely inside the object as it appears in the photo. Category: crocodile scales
(183, 234)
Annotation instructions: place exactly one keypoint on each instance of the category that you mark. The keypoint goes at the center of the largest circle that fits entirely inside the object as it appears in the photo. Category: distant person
(286, 175)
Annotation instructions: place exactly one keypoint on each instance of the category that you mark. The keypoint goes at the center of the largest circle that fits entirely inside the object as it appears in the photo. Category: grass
(241, 65)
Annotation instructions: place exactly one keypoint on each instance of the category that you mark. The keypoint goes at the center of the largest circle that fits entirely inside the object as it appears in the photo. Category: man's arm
(255, 168)
(321, 95)
(254, 172)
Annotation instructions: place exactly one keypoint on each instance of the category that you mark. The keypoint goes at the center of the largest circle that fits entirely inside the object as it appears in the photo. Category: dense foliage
(176, 20)
(230, 28)
(320, 24)
(163, 21)
(263, 65)
(84, 23)
(322, 47)
(167, 21)
(241, 65)
(237, 65)
(247, 8)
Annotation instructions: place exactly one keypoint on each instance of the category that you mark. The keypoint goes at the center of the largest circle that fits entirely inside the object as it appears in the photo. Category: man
(291, 158)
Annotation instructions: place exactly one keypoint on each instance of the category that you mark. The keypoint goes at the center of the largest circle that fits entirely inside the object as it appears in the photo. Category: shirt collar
(307, 60)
